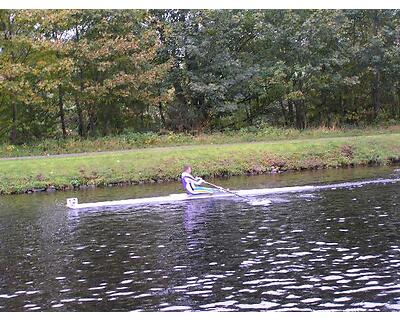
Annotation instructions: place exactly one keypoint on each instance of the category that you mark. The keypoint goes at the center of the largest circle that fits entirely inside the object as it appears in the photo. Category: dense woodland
(85, 73)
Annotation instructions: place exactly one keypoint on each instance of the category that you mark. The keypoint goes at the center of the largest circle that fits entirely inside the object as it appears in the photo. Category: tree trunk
(322, 119)
(298, 122)
(285, 120)
(203, 110)
(377, 72)
(291, 113)
(62, 113)
(249, 117)
(107, 116)
(376, 93)
(342, 108)
(397, 99)
(13, 134)
(161, 114)
(142, 120)
(300, 118)
(81, 125)
(92, 123)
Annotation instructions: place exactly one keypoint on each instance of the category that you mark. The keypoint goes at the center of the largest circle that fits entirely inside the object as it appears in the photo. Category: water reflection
(195, 223)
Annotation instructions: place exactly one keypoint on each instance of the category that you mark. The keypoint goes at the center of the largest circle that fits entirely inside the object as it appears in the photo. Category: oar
(225, 190)
(250, 201)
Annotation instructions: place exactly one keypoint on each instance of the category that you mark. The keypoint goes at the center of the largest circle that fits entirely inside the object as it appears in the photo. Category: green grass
(148, 140)
(155, 164)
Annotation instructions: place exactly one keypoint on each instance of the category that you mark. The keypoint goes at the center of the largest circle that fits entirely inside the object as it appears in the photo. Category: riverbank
(165, 164)
(135, 140)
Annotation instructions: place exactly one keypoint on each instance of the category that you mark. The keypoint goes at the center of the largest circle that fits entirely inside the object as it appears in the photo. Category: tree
(20, 54)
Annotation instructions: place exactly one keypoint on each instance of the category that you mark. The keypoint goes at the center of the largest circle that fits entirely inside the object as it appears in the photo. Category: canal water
(335, 248)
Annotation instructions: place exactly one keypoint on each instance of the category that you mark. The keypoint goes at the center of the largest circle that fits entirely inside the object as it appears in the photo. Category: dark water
(326, 250)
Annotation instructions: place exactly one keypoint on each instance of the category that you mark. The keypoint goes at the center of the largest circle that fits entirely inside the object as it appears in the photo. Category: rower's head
(187, 169)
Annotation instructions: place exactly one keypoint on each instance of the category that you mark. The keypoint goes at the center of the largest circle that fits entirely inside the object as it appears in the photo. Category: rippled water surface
(335, 248)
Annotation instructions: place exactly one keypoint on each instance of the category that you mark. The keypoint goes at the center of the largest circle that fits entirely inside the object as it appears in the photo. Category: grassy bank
(162, 164)
(148, 140)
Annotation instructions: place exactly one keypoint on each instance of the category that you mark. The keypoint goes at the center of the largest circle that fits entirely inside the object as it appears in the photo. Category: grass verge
(134, 140)
(165, 164)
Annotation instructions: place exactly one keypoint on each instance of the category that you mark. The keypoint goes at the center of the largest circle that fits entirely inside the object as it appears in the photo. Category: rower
(192, 184)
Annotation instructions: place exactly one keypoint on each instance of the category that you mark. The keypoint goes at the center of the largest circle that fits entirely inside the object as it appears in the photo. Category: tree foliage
(100, 72)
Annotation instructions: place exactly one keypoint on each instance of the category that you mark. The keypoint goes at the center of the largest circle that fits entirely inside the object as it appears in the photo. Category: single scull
(73, 203)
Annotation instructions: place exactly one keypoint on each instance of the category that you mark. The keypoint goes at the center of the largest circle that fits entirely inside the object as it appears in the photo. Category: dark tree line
(101, 72)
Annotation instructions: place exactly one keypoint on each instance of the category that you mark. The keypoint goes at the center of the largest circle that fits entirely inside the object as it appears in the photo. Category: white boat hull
(73, 203)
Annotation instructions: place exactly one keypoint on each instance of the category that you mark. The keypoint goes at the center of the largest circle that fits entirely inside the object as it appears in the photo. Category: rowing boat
(73, 203)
